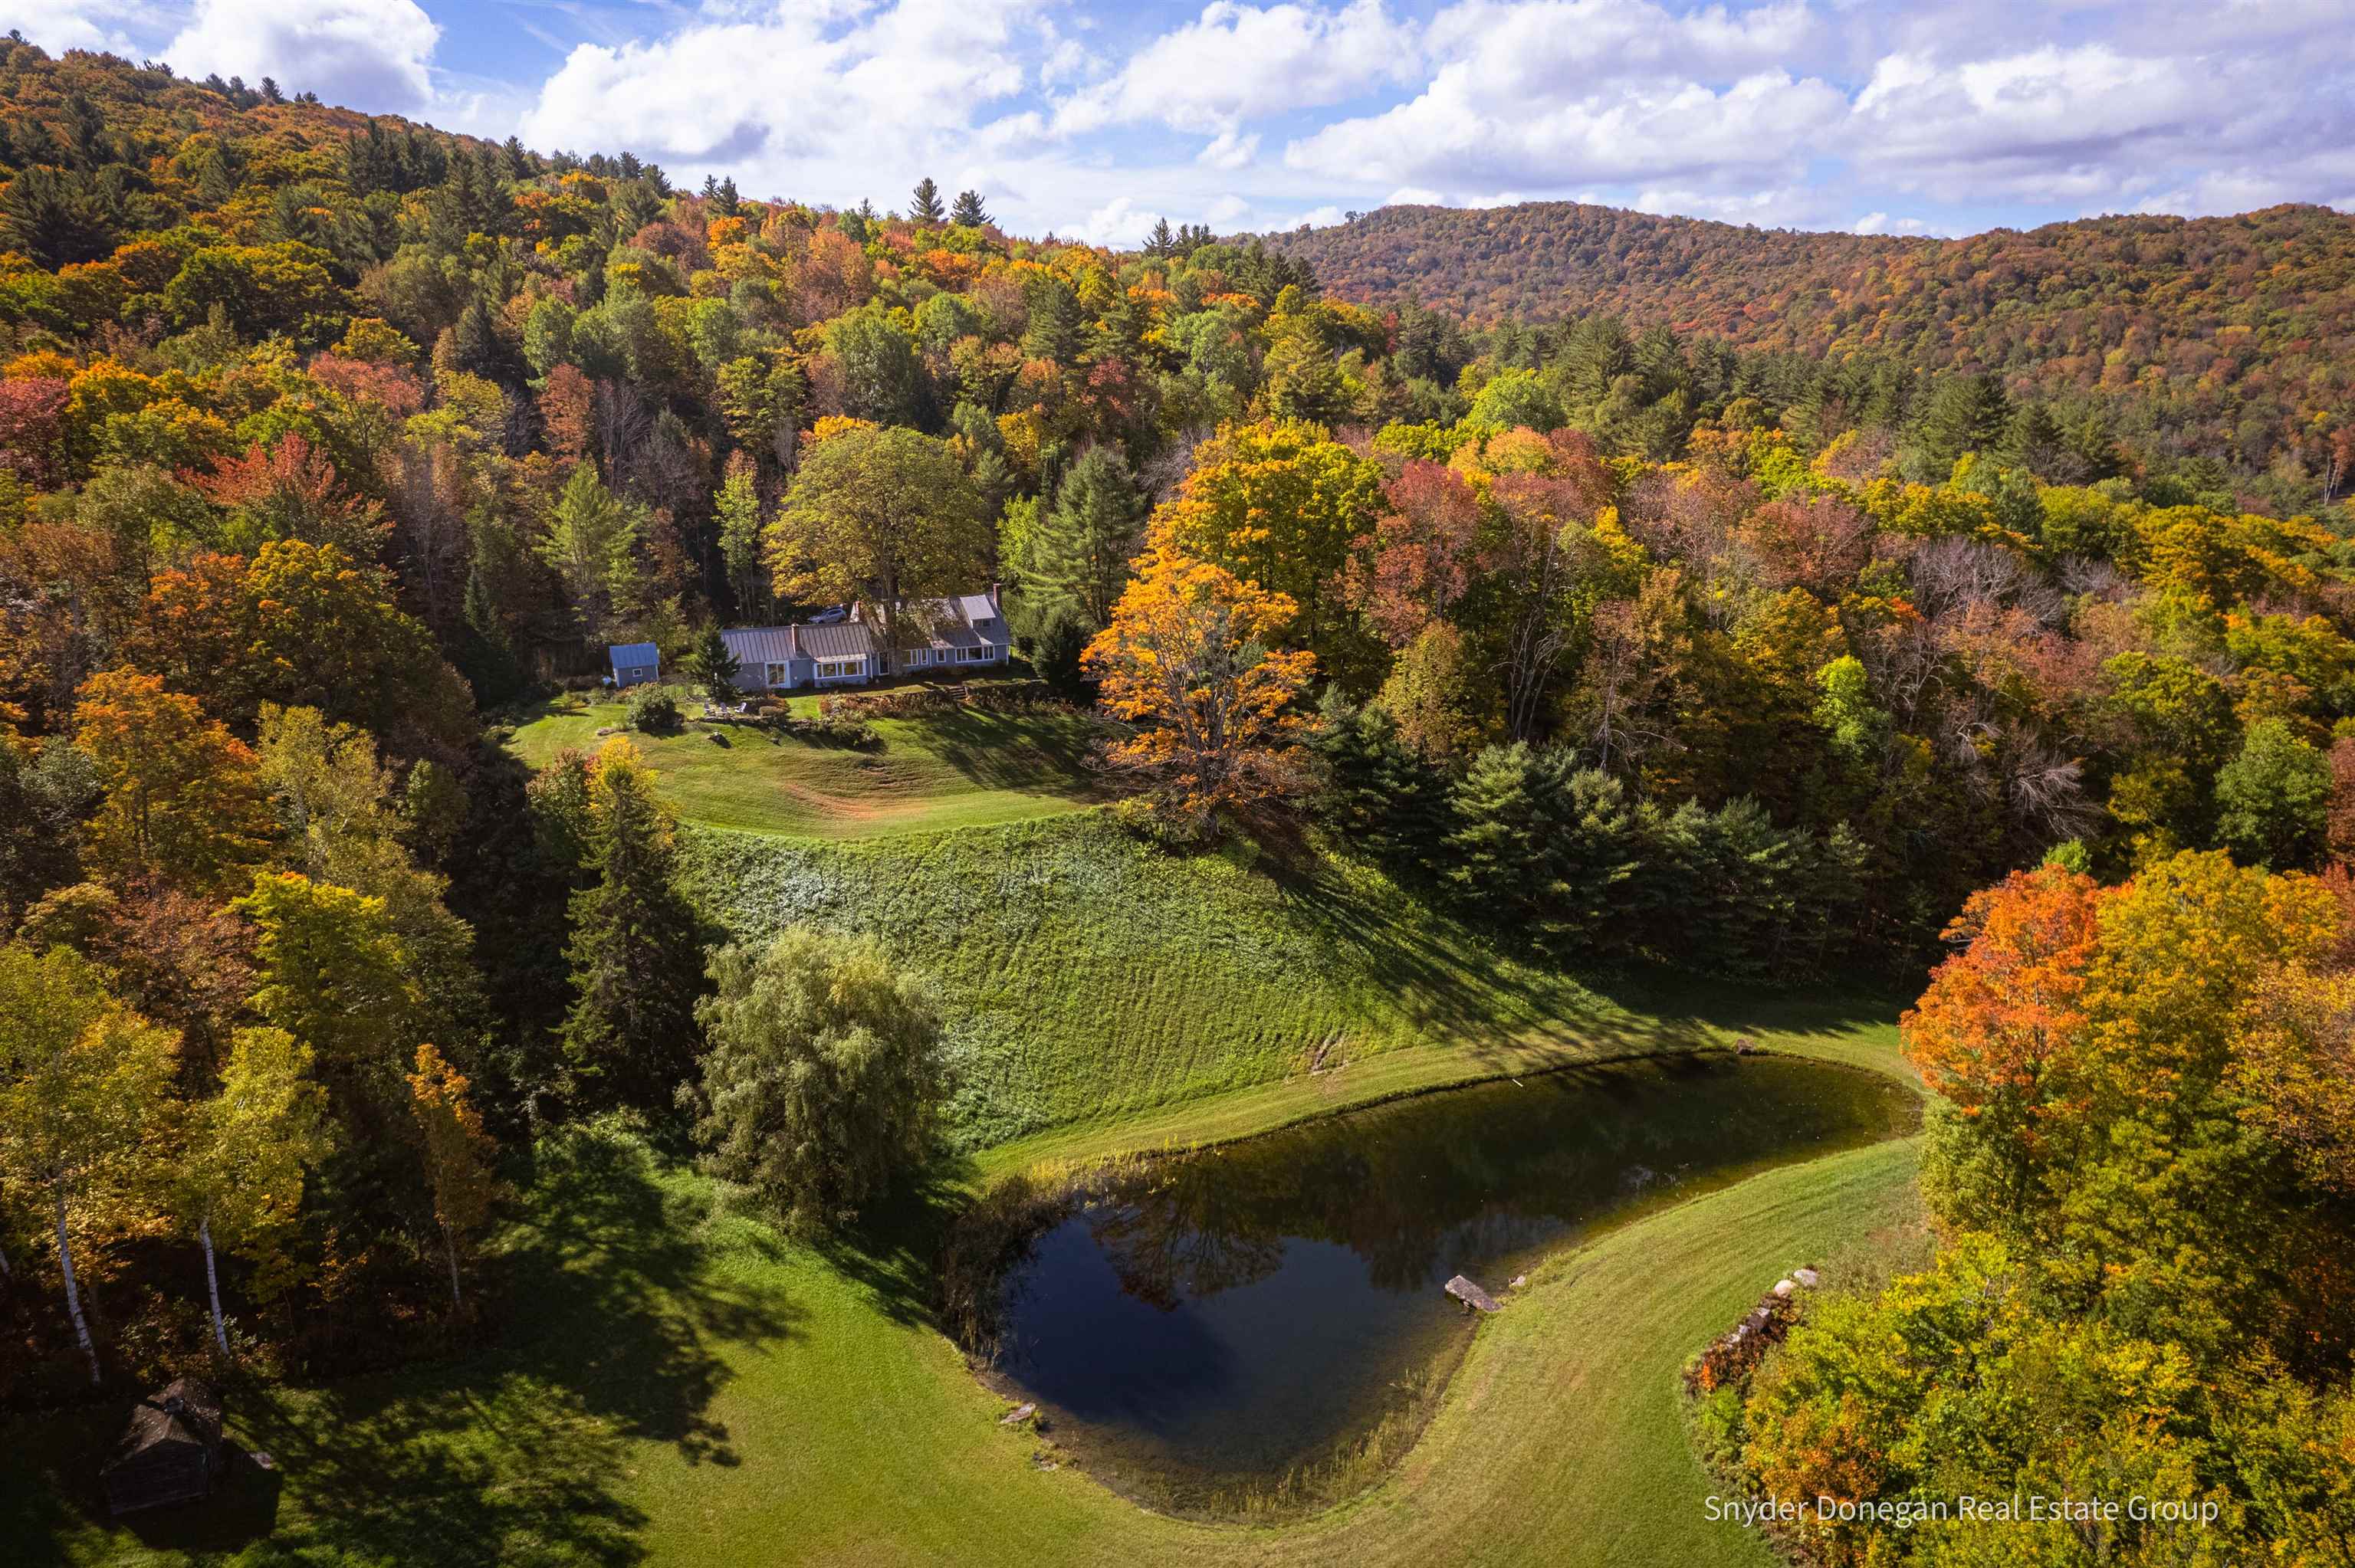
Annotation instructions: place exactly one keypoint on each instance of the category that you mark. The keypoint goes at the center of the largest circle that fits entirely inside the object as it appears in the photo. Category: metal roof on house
(630, 655)
(955, 623)
(967, 620)
(847, 640)
(761, 644)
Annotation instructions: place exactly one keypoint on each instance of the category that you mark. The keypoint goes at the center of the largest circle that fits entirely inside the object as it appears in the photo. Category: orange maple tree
(1189, 657)
(2000, 1018)
(182, 800)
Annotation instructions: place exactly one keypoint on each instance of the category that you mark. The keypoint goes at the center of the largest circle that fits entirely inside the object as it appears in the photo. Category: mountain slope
(2263, 303)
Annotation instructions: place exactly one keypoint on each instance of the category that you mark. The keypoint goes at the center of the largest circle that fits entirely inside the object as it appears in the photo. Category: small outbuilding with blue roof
(635, 662)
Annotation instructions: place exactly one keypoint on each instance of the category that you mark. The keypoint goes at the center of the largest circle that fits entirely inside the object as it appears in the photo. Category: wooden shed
(170, 1450)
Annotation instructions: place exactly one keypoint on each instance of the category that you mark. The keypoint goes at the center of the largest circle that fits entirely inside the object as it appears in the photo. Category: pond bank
(1258, 1329)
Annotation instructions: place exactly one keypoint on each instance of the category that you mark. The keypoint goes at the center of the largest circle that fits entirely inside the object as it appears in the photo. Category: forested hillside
(2229, 335)
(331, 447)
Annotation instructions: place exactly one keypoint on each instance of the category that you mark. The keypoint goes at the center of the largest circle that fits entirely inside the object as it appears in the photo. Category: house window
(974, 655)
(839, 667)
(781, 674)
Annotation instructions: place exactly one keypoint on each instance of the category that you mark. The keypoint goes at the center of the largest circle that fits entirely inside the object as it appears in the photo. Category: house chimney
(993, 596)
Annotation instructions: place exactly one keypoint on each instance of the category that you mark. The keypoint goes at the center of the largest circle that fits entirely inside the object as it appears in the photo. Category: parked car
(840, 612)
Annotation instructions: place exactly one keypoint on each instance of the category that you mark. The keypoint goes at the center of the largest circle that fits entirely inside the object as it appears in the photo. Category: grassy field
(682, 1387)
(1090, 976)
(961, 769)
(676, 1384)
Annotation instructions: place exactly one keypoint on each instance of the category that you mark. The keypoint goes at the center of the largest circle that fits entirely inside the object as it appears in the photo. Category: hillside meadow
(1087, 974)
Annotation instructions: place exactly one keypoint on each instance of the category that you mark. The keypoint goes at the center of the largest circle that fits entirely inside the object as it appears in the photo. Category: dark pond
(1262, 1321)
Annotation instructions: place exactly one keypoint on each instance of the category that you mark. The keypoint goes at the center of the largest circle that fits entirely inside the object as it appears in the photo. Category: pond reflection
(1203, 1326)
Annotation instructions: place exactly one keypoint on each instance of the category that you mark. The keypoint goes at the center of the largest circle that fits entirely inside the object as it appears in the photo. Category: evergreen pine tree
(968, 210)
(56, 216)
(1060, 647)
(1509, 809)
(486, 655)
(1967, 414)
(2033, 441)
(591, 543)
(924, 202)
(1054, 329)
(1079, 554)
(215, 185)
(1376, 793)
(472, 348)
(636, 952)
(714, 668)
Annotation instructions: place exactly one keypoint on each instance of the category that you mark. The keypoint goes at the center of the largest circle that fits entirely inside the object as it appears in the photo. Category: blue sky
(1092, 119)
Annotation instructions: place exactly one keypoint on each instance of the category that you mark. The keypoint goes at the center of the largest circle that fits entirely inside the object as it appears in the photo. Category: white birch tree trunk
(73, 1292)
(212, 1286)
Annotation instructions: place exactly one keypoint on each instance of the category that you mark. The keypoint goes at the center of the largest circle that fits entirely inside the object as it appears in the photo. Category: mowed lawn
(671, 1382)
(680, 1385)
(966, 768)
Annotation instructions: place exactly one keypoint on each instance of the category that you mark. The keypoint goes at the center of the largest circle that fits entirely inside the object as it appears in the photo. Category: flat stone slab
(1471, 1295)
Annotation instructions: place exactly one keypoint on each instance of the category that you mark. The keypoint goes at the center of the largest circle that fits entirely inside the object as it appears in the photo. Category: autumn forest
(1578, 599)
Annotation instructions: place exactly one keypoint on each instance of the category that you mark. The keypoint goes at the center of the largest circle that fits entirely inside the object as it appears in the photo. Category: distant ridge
(2262, 296)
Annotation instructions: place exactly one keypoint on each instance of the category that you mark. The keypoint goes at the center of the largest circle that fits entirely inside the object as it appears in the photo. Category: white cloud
(77, 25)
(1236, 62)
(1459, 129)
(1552, 94)
(802, 102)
(369, 53)
(1117, 222)
(2032, 106)
(1782, 207)
(2097, 125)
(1229, 151)
(1537, 49)
(1067, 60)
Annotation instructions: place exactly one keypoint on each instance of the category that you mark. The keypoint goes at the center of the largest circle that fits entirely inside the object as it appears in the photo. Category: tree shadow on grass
(614, 1274)
(894, 1252)
(1701, 1002)
(615, 1331)
(1449, 982)
(1024, 753)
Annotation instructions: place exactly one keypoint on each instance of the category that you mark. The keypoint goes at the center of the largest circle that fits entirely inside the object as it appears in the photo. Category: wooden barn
(170, 1450)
